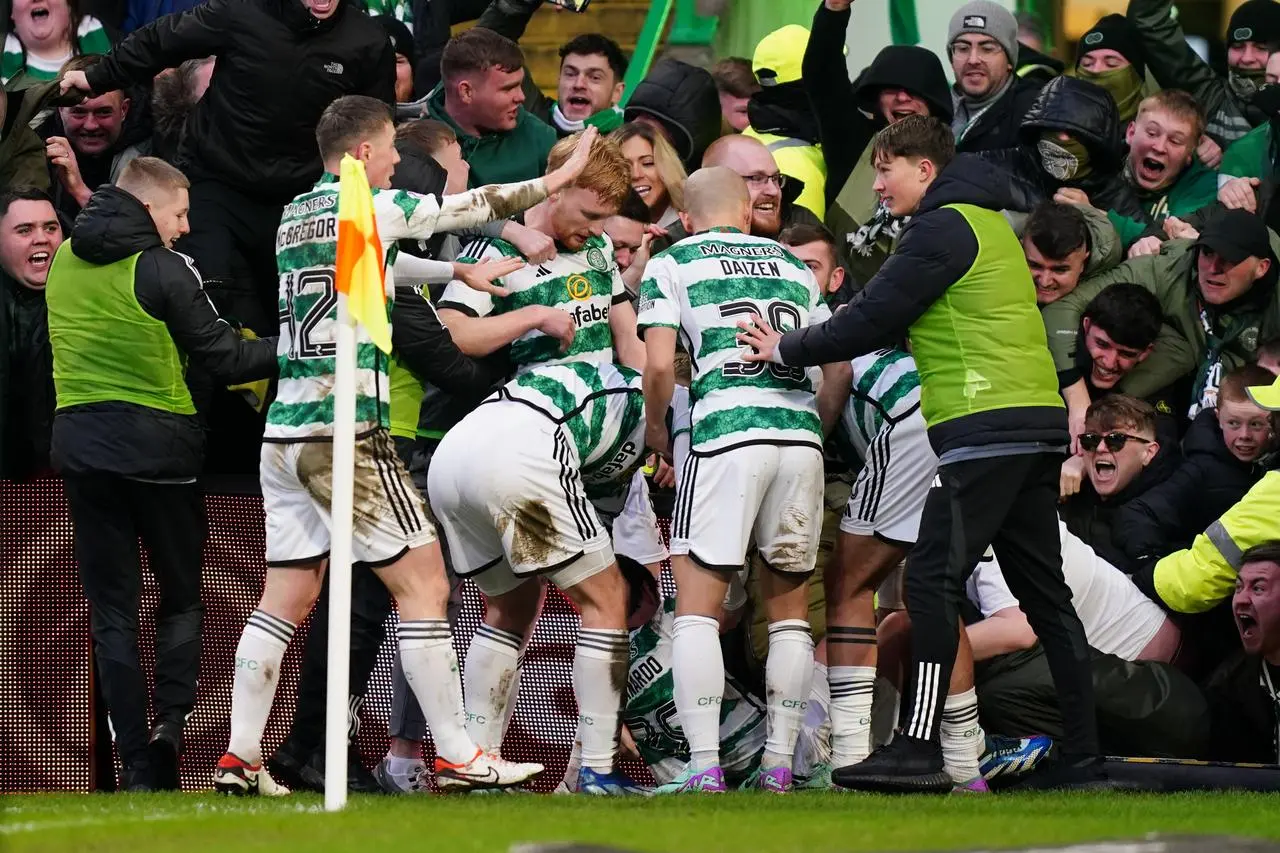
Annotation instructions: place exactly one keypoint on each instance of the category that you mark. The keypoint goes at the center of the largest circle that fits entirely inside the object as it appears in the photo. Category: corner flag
(359, 267)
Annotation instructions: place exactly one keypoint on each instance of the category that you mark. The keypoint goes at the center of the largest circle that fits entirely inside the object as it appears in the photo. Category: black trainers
(136, 779)
(905, 765)
(359, 779)
(1071, 773)
(288, 764)
(163, 753)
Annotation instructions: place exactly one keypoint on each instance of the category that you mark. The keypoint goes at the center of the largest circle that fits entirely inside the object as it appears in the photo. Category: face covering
(1125, 87)
(1244, 82)
(1064, 161)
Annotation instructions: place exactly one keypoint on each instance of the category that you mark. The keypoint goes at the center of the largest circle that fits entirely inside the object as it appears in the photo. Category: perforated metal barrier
(45, 700)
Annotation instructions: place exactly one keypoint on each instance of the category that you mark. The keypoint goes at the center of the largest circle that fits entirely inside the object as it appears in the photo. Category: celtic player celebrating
(755, 468)
(392, 535)
(511, 485)
(571, 308)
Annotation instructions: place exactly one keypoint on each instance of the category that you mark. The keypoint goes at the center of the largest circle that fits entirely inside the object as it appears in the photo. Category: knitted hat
(988, 18)
(1114, 32)
(401, 38)
(1255, 20)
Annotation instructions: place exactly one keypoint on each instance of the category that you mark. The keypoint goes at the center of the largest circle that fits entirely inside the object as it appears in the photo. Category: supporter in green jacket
(1162, 166)
(1219, 294)
(481, 99)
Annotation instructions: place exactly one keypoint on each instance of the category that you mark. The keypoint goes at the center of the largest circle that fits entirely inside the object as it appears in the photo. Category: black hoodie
(1089, 114)
(684, 99)
(278, 68)
(124, 438)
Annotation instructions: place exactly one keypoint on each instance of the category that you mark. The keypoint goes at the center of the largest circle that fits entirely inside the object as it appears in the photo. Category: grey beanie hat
(987, 18)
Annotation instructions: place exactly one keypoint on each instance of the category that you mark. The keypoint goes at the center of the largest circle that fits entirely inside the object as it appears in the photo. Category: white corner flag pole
(340, 518)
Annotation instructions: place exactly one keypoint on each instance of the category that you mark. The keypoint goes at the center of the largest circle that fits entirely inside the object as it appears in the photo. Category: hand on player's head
(572, 168)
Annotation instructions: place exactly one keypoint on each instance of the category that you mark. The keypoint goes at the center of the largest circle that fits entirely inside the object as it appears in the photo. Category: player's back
(585, 284)
(710, 282)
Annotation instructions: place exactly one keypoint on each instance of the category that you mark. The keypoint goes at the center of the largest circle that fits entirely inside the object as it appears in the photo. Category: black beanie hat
(1255, 20)
(401, 38)
(1114, 32)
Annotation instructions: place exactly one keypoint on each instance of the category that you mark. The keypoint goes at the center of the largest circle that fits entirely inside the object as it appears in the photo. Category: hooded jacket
(22, 160)
(1036, 66)
(124, 438)
(684, 99)
(1171, 275)
(1208, 483)
(278, 68)
(957, 285)
(854, 215)
(1088, 113)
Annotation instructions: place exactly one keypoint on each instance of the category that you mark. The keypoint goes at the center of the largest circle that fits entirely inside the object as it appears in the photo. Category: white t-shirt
(1118, 619)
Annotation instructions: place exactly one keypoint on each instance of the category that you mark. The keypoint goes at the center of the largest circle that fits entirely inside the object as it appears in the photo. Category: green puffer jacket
(1184, 345)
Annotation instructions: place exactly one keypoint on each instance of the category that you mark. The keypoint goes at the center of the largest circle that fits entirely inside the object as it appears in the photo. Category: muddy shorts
(297, 488)
(506, 488)
(888, 497)
(763, 492)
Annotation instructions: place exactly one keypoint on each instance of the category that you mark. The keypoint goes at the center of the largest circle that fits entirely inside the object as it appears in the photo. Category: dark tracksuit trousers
(232, 241)
(110, 514)
(1009, 502)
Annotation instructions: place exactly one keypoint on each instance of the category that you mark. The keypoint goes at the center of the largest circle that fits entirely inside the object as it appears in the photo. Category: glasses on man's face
(1115, 441)
(778, 180)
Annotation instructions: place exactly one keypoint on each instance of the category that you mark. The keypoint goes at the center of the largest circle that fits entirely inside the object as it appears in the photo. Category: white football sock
(431, 668)
(258, 657)
(599, 676)
(788, 673)
(492, 662)
(698, 676)
(852, 691)
(962, 737)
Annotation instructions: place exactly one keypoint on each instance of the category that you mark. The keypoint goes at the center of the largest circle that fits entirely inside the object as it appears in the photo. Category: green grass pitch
(734, 823)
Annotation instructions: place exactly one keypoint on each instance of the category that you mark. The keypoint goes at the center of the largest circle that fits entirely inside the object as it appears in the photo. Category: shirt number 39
(783, 317)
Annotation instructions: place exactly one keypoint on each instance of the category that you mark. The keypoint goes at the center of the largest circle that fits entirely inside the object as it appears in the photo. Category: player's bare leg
(417, 582)
(860, 565)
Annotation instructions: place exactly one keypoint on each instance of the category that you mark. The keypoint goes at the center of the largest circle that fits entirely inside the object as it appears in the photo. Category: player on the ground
(511, 486)
(392, 534)
(755, 467)
(580, 287)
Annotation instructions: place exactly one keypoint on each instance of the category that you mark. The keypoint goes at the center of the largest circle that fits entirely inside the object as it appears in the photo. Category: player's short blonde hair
(607, 174)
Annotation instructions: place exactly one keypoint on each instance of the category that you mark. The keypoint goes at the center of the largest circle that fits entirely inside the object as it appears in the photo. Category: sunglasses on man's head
(1115, 441)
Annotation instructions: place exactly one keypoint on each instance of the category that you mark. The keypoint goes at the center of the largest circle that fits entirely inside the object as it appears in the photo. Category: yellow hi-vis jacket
(1204, 575)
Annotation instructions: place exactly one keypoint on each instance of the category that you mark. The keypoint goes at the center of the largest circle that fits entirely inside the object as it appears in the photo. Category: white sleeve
(413, 271)
(402, 215)
(986, 587)
(461, 297)
(487, 203)
(657, 305)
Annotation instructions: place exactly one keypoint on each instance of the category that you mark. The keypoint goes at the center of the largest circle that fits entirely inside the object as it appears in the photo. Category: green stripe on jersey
(311, 368)
(562, 398)
(708, 383)
(551, 291)
(712, 249)
(716, 291)
(368, 410)
(715, 425)
(594, 342)
(868, 379)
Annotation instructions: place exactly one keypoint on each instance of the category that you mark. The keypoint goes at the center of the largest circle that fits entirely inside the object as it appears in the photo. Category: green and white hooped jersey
(886, 389)
(586, 284)
(650, 708)
(306, 253)
(703, 286)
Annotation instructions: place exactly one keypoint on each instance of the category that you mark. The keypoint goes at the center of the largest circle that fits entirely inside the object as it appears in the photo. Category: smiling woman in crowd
(43, 35)
(656, 173)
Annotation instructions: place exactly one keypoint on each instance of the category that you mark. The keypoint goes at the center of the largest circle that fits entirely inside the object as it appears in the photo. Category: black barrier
(45, 719)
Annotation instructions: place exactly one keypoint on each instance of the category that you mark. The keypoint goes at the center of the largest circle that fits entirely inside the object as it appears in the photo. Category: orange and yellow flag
(359, 265)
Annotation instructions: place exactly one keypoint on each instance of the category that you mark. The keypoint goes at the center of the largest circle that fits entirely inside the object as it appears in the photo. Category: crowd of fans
(1139, 179)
